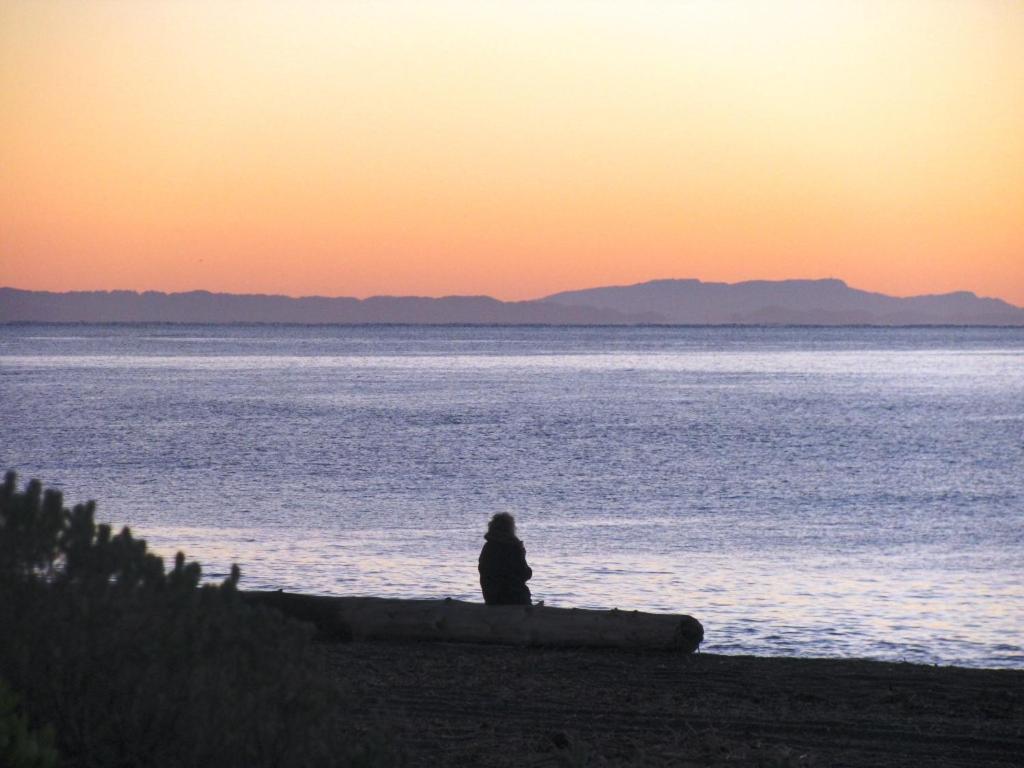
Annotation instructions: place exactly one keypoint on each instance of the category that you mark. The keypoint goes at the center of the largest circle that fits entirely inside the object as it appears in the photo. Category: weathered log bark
(369, 618)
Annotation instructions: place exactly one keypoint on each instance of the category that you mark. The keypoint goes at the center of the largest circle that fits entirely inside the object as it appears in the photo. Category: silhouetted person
(502, 565)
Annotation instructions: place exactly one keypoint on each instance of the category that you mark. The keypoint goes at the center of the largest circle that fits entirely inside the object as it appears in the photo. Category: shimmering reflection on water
(824, 492)
(762, 604)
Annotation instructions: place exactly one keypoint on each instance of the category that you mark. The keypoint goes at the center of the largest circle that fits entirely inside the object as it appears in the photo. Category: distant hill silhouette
(783, 302)
(789, 302)
(205, 307)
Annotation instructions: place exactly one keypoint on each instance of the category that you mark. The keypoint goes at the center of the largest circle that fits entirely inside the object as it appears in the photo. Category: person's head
(502, 523)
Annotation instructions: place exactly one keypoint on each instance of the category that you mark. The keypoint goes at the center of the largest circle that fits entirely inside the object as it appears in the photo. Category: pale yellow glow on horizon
(511, 149)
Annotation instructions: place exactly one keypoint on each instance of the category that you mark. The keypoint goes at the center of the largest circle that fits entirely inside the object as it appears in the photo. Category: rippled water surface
(813, 492)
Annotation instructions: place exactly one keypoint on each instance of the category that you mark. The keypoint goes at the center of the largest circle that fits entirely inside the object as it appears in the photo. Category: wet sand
(469, 705)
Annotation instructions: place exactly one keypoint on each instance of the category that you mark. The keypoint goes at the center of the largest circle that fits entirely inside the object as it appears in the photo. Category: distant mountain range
(682, 302)
(790, 302)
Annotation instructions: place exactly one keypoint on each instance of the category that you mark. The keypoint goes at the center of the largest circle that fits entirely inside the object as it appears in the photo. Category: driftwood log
(376, 618)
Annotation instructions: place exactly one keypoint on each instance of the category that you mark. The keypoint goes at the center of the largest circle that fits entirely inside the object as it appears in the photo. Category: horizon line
(506, 301)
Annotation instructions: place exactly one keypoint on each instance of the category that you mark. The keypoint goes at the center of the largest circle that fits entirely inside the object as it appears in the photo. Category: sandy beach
(469, 705)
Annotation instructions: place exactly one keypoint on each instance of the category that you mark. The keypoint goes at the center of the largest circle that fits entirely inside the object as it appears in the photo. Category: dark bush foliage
(20, 745)
(132, 665)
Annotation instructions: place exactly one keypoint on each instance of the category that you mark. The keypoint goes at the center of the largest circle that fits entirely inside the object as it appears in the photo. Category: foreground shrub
(20, 745)
(135, 665)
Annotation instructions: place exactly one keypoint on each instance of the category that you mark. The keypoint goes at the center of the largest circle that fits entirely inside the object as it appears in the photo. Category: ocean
(845, 492)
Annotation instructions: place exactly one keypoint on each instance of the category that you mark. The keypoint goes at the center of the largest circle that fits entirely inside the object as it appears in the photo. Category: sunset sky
(513, 149)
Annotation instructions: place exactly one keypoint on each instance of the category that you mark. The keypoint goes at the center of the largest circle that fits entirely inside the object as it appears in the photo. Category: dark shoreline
(464, 704)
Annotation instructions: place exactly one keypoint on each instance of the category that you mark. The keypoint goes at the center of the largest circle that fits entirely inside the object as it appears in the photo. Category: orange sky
(513, 149)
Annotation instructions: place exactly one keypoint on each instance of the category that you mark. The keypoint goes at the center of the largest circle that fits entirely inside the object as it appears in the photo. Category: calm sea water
(810, 492)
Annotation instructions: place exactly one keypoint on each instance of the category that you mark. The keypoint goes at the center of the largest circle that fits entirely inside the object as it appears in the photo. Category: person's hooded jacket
(503, 570)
